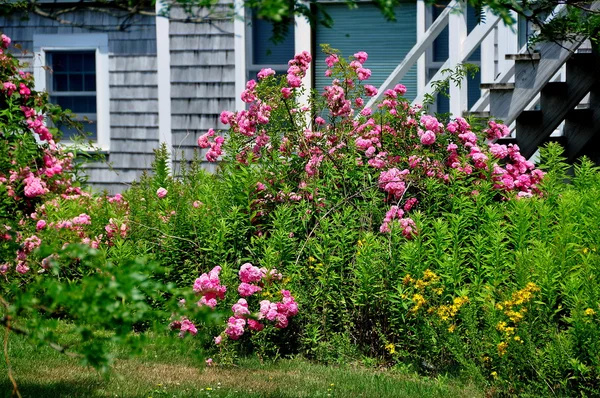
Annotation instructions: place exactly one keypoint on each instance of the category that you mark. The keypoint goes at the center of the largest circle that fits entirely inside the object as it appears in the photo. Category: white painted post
(508, 43)
(163, 62)
(421, 67)
(302, 42)
(239, 42)
(457, 35)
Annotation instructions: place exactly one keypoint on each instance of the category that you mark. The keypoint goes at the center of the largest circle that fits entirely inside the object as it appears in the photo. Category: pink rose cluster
(4, 41)
(35, 122)
(297, 69)
(357, 65)
(277, 312)
(392, 181)
(496, 130)
(184, 326)
(264, 73)
(253, 278)
(406, 224)
(34, 186)
(209, 287)
(518, 174)
(215, 146)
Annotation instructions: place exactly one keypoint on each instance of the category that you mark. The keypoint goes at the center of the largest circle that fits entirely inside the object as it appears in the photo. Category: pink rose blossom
(161, 192)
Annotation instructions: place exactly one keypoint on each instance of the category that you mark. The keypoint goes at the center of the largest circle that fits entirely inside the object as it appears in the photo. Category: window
(72, 85)
(261, 52)
(73, 69)
(365, 29)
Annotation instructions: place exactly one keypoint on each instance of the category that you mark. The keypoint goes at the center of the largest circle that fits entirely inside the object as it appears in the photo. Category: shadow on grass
(53, 389)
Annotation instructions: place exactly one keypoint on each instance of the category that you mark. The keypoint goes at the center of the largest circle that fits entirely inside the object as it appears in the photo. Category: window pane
(75, 63)
(59, 62)
(85, 104)
(61, 82)
(89, 82)
(75, 82)
(91, 130)
(89, 62)
(264, 51)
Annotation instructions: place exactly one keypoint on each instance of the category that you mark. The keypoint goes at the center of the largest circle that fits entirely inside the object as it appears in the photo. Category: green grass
(176, 371)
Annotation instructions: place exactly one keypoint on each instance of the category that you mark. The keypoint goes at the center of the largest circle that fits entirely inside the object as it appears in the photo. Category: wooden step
(533, 56)
(582, 129)
(557, 100)
(497, 86)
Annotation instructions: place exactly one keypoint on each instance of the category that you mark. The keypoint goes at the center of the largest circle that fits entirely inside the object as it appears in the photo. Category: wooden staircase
(559, 101)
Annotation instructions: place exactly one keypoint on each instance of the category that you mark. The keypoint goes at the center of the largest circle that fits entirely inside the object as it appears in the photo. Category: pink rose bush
(252, 280)
(395, 142)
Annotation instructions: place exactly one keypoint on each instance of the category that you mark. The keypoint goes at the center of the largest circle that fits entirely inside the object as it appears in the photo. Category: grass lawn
(167, 372)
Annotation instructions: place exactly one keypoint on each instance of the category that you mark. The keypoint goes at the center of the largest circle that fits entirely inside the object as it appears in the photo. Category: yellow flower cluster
(446, 312)
(520, 297)
(514, 314)
(502, 346)
(429, 277)
(419, 301)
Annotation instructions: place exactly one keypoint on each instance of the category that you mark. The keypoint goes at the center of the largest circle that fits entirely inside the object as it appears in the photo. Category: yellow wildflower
(429, 275)
(589, 312)
(407, 279)
(494, 374)
(502, 346)
(452, 328)
(419, 301)
(421, 284)
(586, 250)
(391, 348)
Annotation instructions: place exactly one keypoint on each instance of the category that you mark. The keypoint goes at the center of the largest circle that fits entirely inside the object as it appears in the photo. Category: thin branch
(42, 13)
(166, 235)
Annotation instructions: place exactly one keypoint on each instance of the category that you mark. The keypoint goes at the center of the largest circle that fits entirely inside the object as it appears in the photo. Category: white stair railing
(461, 45)
(416, 52)
(473, 40)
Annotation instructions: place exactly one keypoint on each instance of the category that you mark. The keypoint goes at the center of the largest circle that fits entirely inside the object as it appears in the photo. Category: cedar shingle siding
(202, 81)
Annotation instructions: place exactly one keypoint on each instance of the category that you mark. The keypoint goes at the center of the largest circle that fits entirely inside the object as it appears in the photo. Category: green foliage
(107, 303)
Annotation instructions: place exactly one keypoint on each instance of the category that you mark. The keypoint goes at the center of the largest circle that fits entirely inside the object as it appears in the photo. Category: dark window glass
(264, 50)
(73, 86)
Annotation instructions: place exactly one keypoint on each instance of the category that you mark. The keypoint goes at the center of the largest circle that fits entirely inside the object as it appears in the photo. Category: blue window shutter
(365, 29)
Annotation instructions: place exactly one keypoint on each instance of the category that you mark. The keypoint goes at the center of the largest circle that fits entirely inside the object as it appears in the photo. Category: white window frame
(97, 42)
